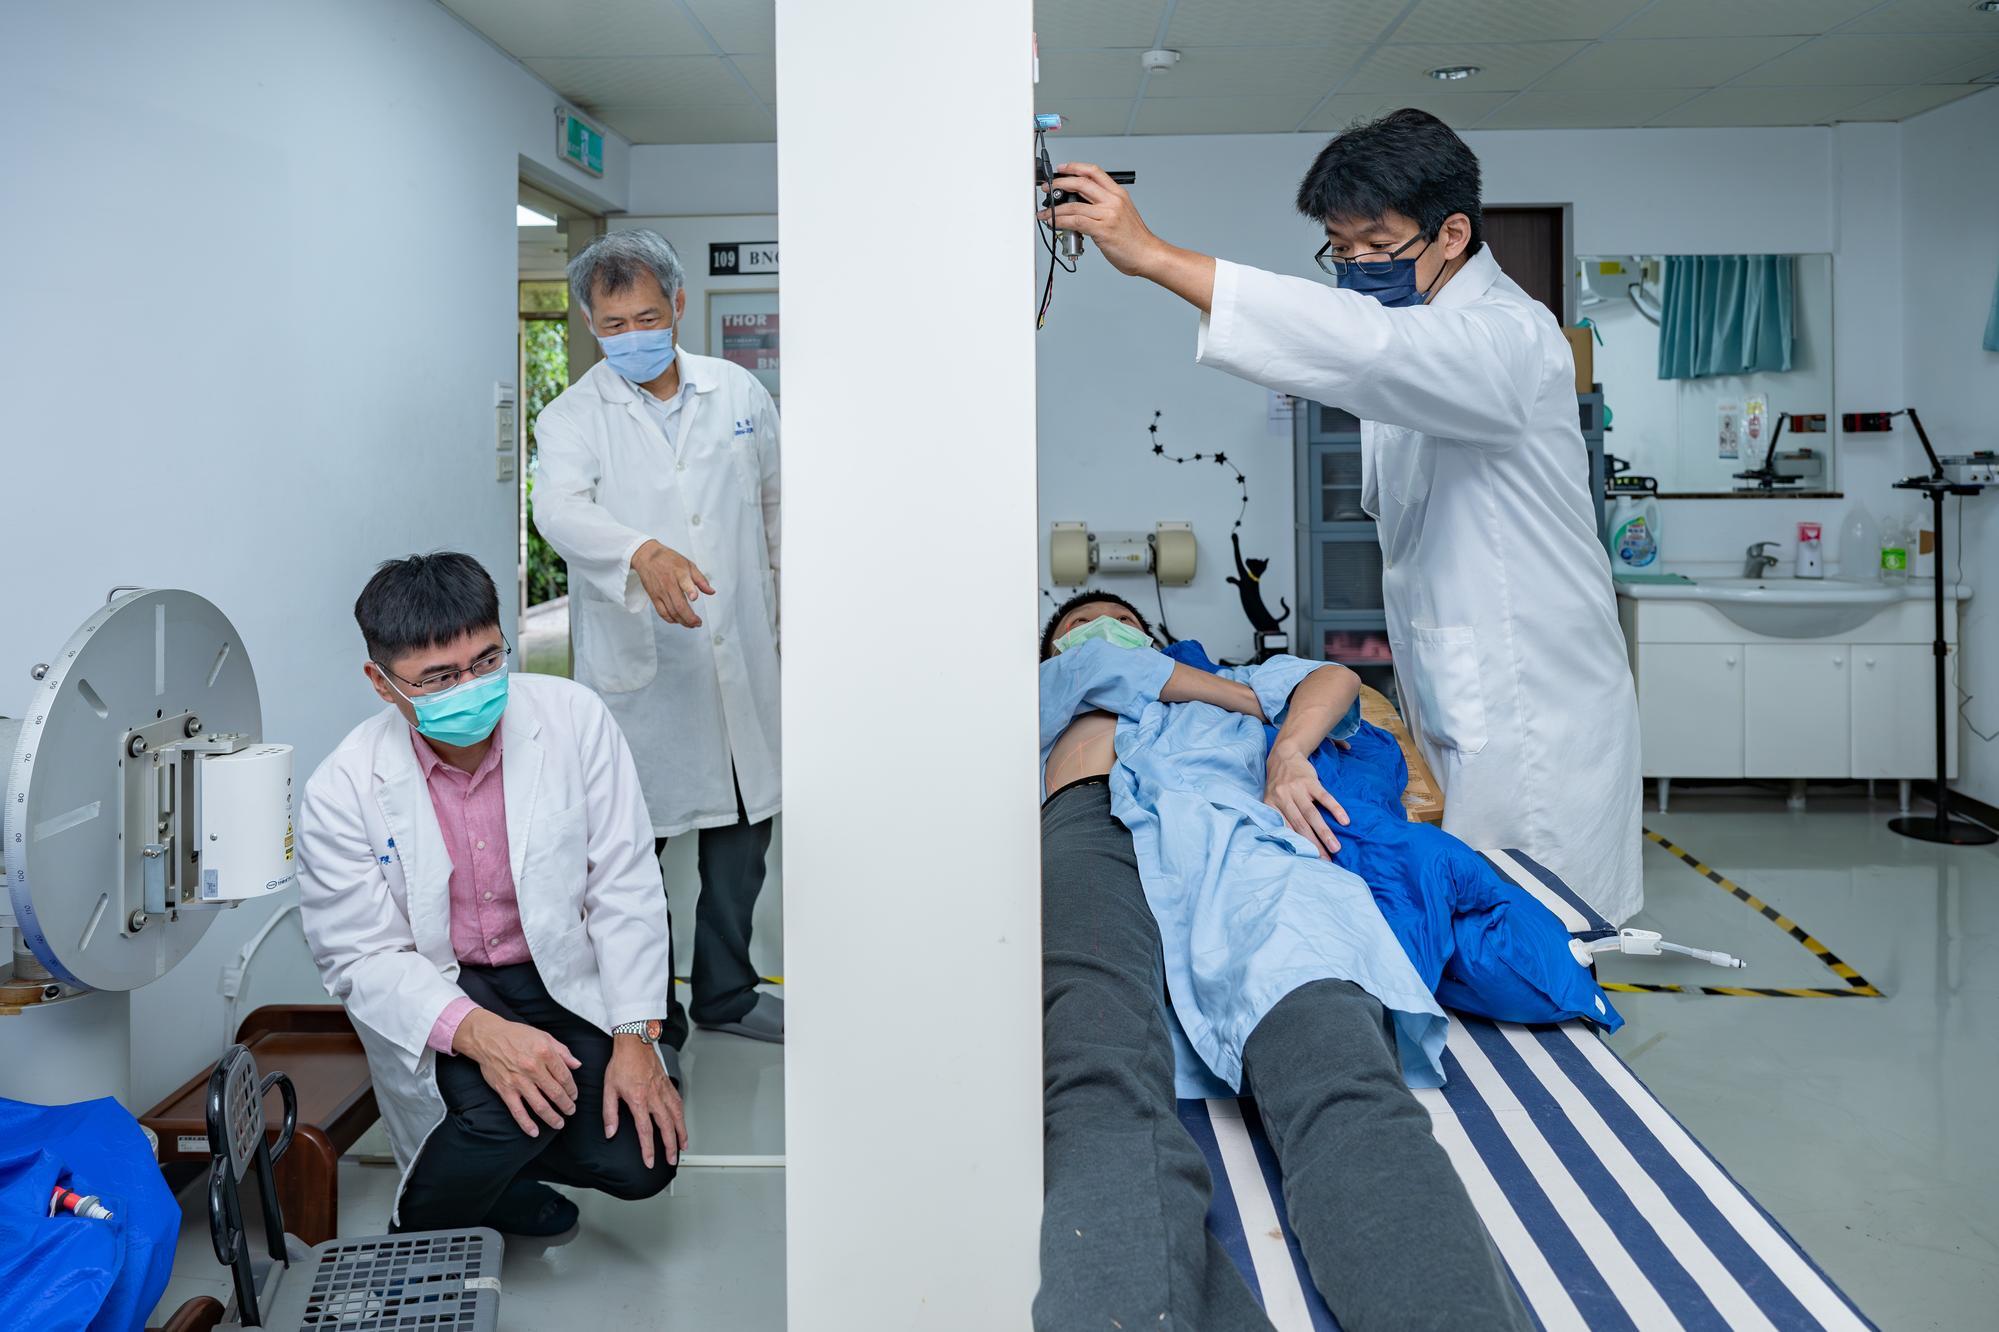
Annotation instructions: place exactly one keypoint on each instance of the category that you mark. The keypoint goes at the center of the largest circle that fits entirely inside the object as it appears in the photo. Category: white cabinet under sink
(1718, 700)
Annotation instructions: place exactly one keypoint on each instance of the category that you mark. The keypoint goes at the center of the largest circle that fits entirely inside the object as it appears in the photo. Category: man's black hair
(1083, 599)
(422, 601)
(1408, 162)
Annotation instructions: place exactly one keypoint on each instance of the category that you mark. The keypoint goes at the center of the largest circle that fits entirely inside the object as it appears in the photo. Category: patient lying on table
(1177, 861)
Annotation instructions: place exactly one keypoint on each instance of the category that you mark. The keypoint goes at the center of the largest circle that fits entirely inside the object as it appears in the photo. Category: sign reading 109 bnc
(742, 258)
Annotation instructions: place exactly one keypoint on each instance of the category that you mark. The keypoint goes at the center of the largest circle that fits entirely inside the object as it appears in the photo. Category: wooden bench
(1422, 798)
(315, 1044)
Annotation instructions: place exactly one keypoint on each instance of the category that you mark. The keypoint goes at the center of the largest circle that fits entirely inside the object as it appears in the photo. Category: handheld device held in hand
(1064, 247)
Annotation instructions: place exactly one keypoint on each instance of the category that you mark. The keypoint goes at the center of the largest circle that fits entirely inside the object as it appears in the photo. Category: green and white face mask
(1107, 627)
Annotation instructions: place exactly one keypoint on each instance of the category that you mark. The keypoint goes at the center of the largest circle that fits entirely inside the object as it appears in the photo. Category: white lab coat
(374, 886)
(1509, 661)
(693, 702)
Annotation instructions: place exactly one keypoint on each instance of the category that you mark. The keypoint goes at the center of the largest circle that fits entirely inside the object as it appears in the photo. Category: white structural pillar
(912, 919)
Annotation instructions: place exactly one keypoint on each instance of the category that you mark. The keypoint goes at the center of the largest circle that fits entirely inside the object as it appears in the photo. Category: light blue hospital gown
(1247, 911)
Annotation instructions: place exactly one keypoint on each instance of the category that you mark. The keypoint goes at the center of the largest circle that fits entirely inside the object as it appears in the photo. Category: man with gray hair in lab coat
(657, 480)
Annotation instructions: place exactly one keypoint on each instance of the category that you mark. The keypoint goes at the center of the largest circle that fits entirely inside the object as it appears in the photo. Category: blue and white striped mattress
(1607, 1212)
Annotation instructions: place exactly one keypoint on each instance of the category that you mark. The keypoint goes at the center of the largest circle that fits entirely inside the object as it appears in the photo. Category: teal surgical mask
(464, 714)
(1107, 627)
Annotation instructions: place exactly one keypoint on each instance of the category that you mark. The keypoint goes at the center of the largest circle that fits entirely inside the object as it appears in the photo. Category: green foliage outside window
(545, 359)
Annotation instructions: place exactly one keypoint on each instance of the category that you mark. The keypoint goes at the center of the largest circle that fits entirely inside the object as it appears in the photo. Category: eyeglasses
(1379, 263)
(486, 664)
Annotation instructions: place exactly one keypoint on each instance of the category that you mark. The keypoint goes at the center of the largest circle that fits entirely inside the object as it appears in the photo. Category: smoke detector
(1158, 60)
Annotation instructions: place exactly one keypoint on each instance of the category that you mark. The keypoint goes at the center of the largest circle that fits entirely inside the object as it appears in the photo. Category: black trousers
(479, 1150)
(731, 860)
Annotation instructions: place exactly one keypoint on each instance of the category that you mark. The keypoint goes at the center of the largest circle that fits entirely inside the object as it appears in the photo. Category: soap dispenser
(1809, 564)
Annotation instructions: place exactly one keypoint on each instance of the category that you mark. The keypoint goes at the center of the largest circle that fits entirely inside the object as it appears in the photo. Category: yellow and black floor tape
(1857, 986)
(767, 980)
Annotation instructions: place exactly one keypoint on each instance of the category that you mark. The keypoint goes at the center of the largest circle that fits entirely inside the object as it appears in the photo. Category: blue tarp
(1482, 944)
(67, 1273)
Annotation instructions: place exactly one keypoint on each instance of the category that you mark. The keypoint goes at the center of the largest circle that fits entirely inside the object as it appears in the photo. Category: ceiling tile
(740, 27)
(1982, 67)
(1221, 115)
(1253, 71)
(1928, 16)
(1740, 106)
(1458, 110)
(1506, 67)
(1066, 23)
(1514, 20)
(1588, 109)
(1353, 24)
(1072, 74)
(1085, 115)
(747, 123)
(1875, 58)
(1744, 18)
(527, 28)
(1673, 62)
(761, 71)
(1901, 103)
(677, 81)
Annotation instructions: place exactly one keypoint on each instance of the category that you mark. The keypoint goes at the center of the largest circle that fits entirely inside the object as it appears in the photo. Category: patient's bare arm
(1291, 784)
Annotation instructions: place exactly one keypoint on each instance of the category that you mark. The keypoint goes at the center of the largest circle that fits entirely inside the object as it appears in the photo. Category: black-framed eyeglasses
(1378, 263)
(487, 663)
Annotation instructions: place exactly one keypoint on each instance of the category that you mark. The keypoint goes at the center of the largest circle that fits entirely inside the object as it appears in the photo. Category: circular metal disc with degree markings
(145, 657)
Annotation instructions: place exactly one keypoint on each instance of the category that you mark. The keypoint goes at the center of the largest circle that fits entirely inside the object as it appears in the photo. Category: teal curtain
(1992, 322)
(1725, 314)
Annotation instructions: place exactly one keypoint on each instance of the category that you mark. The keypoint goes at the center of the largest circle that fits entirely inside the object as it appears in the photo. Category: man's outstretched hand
(672, 582)
(1105, 213)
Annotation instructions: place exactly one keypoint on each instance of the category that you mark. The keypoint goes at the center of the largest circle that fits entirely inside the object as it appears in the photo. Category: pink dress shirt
(485, 913)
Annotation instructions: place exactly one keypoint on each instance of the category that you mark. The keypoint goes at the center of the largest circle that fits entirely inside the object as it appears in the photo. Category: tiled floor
(1860, 1123)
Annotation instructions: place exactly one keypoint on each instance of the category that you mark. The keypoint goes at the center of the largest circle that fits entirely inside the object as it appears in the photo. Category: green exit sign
(580, 143)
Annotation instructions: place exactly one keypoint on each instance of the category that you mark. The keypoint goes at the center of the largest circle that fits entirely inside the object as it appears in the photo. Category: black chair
(441, 1280)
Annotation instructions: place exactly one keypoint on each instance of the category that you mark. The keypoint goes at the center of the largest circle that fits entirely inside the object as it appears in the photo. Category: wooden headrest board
(1423, 798)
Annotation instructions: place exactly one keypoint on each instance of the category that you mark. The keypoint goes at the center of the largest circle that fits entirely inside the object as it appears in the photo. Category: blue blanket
(67, 1273)
(1482, 945)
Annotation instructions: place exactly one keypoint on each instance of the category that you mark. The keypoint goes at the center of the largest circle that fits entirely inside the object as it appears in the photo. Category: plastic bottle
(1859, 545)
(1896, 540)
(1631, 531)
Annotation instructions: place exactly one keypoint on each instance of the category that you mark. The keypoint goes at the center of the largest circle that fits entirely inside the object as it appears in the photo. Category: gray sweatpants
(1387, 1230)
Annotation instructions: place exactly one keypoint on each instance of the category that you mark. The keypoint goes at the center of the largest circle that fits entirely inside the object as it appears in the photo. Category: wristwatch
(647, 1031)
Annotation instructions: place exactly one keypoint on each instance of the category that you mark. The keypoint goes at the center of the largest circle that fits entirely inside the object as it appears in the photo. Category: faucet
(1758, 560)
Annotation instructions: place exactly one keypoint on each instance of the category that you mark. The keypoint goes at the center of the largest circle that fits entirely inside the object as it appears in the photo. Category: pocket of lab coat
(1450, 691)
(615, 650)
(556, 862)
(1405, 462)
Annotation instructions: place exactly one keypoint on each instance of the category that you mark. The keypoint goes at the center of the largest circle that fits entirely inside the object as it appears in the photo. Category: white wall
(678, 180)
(1950, 250)
(271, 288)
(913, 1181)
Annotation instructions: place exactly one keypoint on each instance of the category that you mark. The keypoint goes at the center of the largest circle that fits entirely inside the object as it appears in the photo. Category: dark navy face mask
(1395, 287)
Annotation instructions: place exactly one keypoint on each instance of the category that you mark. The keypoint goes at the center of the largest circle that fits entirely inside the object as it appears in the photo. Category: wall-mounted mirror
(1699, 354)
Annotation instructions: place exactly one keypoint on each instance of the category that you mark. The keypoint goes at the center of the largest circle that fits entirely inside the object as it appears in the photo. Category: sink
(1798, 607)
(1790, 607)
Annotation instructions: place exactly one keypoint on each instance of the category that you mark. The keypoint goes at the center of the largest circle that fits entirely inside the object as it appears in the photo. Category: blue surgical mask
(1107, 627)
(1395, 288)
(464, 714)
(641, 355)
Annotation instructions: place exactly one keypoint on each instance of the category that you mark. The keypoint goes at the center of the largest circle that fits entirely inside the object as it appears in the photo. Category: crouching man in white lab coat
(1501, 618)
(478, 886)
(656, 478)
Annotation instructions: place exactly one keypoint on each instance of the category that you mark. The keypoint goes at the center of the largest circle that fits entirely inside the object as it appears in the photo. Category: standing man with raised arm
(1508, 657)
(657, 480)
